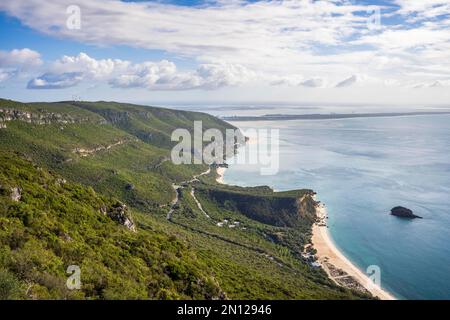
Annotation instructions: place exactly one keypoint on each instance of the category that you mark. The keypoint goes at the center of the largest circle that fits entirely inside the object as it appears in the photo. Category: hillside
(77, 165)
(56, 223)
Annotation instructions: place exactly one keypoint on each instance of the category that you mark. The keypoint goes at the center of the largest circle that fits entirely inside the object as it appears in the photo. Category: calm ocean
(361, 168)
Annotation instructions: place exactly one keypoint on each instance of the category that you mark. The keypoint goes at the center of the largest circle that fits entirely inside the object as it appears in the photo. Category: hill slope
(220, 241)
(51, 224)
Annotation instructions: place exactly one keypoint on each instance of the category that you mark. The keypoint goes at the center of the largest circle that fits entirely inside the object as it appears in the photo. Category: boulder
(119, 213)
(403, 212)
(16, 194)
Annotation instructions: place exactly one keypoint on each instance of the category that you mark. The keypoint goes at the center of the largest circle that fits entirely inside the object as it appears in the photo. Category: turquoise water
(361, 168)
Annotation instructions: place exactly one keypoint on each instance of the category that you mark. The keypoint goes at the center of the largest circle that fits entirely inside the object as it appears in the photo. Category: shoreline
(220, 171)
(338, 267)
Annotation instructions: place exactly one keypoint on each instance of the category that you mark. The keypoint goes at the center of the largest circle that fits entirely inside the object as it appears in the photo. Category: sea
(361, 168)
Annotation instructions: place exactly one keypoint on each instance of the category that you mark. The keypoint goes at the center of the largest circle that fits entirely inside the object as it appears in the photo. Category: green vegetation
(56, 224)
(68, 168)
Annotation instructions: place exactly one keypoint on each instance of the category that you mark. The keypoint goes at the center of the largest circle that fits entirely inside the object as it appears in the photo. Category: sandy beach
(220, 172)
(335, 263)
(341, 270)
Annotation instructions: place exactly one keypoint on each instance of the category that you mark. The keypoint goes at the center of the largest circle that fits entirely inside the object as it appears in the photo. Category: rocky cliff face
(112, 116)
(307, 206)
(265, 206)
(41, 117)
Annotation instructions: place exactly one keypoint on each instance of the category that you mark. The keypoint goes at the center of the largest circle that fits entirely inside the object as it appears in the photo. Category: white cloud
(271, 37)
(15, 61)
(407, 39)
(6, 74)
(298, 81)
(289, 44)
(90, 67)
(23, 58)
(162, 75)
(347, 82)
(423, 9)
(55, 81)
(432, 84)
(313, 83)
(223, 74)
(233, 26)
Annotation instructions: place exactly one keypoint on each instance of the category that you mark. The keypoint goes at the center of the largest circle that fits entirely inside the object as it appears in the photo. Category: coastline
(340, 269)
(220, 175)
(333, 261)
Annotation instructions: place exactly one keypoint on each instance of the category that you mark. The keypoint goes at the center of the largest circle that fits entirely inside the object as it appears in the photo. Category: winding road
(178, 188)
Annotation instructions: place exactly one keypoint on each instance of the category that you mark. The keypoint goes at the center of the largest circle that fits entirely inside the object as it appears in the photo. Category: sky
(204, 51)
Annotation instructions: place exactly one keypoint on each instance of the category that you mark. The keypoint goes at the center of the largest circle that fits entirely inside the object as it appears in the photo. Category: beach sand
(332, 259)
(220, 172)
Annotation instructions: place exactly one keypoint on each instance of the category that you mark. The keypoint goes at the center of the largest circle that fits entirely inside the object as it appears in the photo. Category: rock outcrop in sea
(403, 212)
